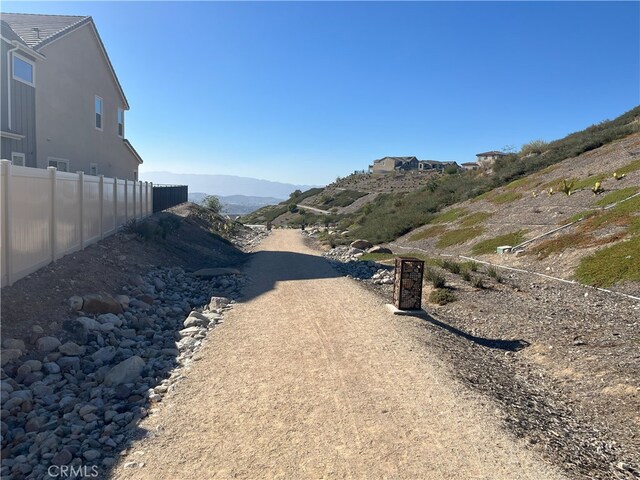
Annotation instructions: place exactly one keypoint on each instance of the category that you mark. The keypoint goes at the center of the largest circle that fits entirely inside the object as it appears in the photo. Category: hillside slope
(525, 209)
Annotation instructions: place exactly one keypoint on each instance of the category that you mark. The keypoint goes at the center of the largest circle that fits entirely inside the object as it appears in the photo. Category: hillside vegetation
(524, 195)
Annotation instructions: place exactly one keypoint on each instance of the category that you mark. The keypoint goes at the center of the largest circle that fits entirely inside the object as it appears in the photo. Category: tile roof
(38, 30)
(9, 34)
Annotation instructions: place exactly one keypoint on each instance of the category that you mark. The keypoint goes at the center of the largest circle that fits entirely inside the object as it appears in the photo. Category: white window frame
(19, 155)
(120, 112)
(33, 70)
(58, 162)
(101, 127)
(93, 166)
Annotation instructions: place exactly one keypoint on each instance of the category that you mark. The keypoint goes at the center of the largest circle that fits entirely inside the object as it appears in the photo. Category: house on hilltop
(434, 165)
(62, 103)
(486, 159)
(392, 164)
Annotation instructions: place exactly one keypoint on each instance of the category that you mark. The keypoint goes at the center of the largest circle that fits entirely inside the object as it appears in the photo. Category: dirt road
(311, 377)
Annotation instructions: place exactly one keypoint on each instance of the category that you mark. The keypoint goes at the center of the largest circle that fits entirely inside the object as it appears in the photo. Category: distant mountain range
(225, 185)
(237, 204)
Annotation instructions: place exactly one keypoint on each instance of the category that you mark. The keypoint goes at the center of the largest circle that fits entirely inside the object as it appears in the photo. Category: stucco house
(486, 159)
(434, 165)
(62, 103)
(392, 164)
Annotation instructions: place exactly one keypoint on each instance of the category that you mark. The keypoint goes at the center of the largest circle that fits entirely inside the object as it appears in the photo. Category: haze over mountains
(225, 185)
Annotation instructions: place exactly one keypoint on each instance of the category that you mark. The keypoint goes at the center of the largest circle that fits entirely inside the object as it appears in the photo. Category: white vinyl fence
(46, 214)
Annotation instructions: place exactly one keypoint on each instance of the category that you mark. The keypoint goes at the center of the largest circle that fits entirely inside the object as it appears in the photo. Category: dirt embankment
(42, 298)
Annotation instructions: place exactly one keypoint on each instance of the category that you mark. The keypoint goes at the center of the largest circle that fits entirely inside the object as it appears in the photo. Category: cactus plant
(597, 189)
(566, 187)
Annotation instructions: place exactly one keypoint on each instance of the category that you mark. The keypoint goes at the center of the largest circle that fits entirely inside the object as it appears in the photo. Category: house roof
(493, 152)
(38, 31)
(397, 159)
(9, 34)
(470, 164)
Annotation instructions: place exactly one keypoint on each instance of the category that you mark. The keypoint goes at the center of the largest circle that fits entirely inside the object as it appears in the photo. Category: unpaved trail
(311, 377)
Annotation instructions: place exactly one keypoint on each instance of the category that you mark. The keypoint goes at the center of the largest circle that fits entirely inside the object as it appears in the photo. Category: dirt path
(310, 377)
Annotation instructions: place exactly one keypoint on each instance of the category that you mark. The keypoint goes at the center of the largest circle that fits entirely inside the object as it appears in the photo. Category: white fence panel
(91, 210)
(46, 214)
(67, 223)
(30, 226)
(121, 202)
(109, 223)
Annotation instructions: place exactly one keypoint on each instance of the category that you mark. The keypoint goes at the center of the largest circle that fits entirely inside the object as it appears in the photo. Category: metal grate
(407, 285)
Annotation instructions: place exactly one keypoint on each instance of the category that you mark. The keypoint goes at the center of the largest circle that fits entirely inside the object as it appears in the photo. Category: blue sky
(303, 92)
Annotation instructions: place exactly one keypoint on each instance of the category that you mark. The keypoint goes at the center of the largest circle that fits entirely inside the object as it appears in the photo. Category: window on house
(23, 70)
(61, 164)
(120, 122)
(98, 113)
(17, 159)
(93, 169)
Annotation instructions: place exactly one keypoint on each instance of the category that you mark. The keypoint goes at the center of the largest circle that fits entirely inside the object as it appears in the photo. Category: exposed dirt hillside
(525, 209)
(42, 297)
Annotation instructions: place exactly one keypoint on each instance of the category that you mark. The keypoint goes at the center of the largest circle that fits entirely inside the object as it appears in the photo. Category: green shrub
(451, 265)
(429, 232)
(476, 282)
(436, 278)
(212, 203)
(474, 219)
(466, 275)
(493, 273)
(442, 296)
(611, 265)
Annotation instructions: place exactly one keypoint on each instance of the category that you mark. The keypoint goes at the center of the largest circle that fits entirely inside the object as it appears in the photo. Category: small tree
(292, 208)
(534, 147)
(212, 203)
(295, 194)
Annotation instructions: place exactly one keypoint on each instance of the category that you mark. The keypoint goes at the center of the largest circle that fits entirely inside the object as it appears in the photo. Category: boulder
(110, 318)
(47, 344)
(71, 349)
(101, 303)
(361, 244)
(76, 302)
(379, 249)
(90, 323)
(9, 354)
(14, 343)
(218, 302)
(196, 319)
(78, 332)
(127, 371)
(105, 354)
(123, 300)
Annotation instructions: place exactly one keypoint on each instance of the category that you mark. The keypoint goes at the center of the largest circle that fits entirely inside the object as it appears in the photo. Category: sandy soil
(310, 377)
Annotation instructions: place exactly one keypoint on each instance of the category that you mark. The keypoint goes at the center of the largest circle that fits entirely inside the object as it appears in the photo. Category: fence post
(140, 200)
(134, 200)
(126, 202)
(115, 204)
(6, 241)
(150, 198)
(101, 200)
(53, 229)
(81, 201)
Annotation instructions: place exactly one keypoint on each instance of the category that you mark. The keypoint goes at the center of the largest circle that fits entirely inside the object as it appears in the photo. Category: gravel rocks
(346, 260)
(77, 397)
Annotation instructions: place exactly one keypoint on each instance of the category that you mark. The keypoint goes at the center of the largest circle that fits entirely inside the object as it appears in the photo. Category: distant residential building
(434, 165)
(470, 166)
(486, 159)
(392, 164)
(62, 103)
